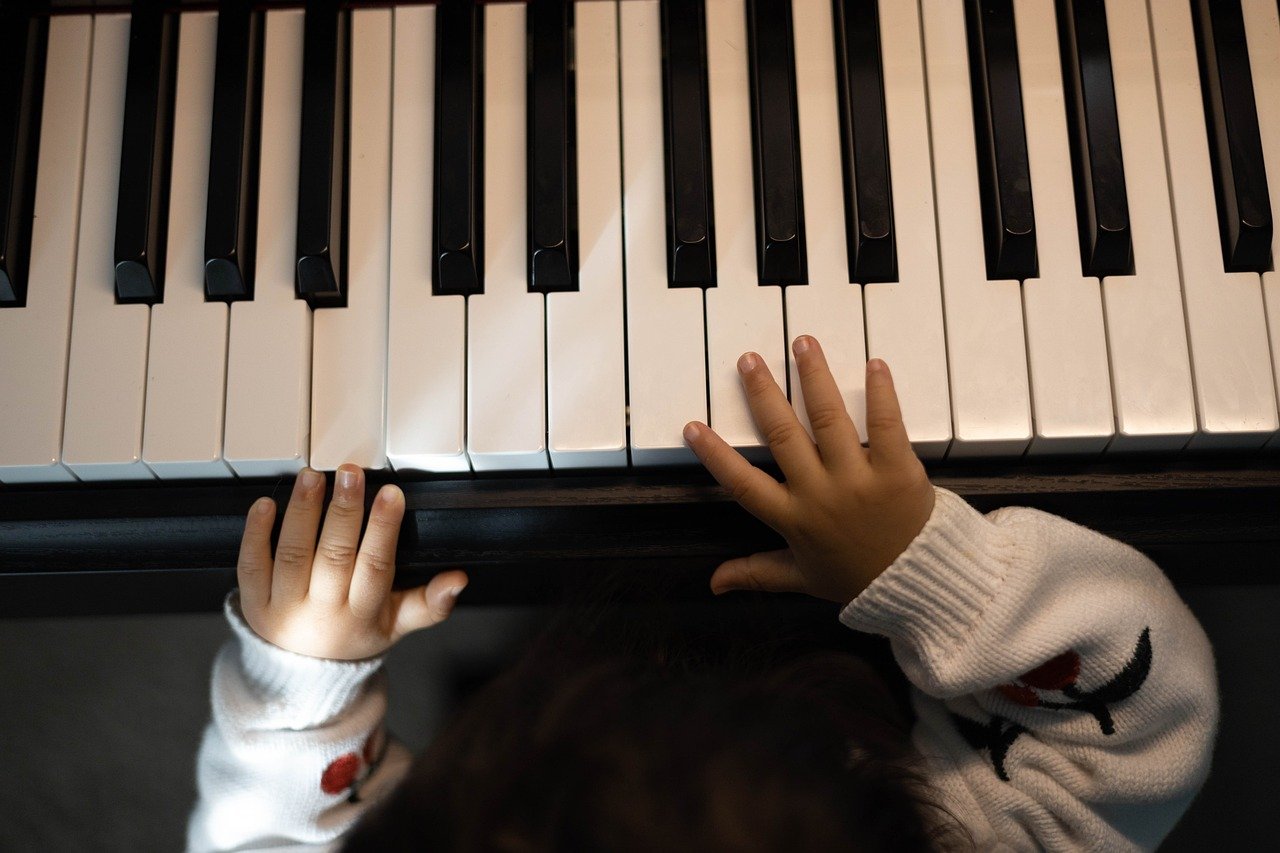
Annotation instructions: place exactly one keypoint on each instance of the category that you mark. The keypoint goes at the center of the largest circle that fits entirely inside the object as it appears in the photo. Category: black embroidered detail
(1060, 675)
(994, 736)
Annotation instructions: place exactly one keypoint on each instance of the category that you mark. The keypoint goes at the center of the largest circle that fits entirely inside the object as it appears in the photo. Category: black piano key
(142, 207)
(24, 43)
(231, 215)
(552, 196)
(1004, 175)
(1102, 203)
(775, 149)
(322, 167)
(864, 134)
(459, 166)
(691, 257)
(1235, 146)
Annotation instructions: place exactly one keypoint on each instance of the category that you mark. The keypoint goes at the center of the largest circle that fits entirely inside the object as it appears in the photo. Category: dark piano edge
(667, 483)
(170, 547)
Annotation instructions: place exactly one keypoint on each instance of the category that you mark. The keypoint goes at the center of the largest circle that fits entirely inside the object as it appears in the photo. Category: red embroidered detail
(339, 775)
(998, 734)
(1055, 674)
(1019, 694)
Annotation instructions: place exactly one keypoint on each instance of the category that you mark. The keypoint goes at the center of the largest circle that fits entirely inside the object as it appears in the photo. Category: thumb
(424, 606)
(770, 571)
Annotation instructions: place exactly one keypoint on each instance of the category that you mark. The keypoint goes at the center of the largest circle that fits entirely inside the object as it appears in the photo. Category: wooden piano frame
(171, 546)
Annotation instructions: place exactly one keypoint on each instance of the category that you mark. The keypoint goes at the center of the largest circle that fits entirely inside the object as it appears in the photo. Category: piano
(501, 253)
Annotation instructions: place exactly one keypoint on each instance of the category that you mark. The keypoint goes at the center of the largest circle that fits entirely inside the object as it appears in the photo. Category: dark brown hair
(622, 728)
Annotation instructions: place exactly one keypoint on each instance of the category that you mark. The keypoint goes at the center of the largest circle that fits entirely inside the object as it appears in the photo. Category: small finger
(336, 551)
(296, 548)
(886, 433)
(770, 571)
(757, 492)
(424, 606)
(376, 563)
(253, 569)
(833, 429)
(790, 445)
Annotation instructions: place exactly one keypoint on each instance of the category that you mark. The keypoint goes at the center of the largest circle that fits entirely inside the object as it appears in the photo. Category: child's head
(615, 732)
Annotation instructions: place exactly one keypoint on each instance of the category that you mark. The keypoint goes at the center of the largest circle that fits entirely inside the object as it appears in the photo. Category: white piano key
(586, 370)
(1262, 30)
(107, 369)
(990, 397)
(187, 358)
(349, 349)
(904, 319)
(1066, 342)
(506, 348)
(666, 355)
(829, 307)
(426, 334)
(1226, 318)
(268, 413)
(741, 315)
(1146, 332)
(33, 340)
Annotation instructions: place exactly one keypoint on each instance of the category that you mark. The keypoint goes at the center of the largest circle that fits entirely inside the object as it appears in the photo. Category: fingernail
(875, 365)
(454, 590)
(310, 478)
(801, 346)
(691, 432)
(262, 506)
(748, 362)
(347, 478)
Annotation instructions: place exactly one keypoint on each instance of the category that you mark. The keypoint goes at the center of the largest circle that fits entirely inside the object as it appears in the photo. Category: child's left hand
(332, 600)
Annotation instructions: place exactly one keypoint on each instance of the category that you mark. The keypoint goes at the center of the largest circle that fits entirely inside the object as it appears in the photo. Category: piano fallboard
(172, 546)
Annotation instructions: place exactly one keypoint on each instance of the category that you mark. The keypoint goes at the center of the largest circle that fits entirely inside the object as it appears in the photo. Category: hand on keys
(334, 599)
(845, 511)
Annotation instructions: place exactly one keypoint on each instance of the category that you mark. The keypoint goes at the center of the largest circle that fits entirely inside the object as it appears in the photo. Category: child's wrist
(295, 691)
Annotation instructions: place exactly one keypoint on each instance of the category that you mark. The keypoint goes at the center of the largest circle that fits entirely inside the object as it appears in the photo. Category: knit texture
(1065, 694)
(296, 748)
(1066, 698)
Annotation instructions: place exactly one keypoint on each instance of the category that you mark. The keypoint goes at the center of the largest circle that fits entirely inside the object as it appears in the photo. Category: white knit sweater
(1066, 698)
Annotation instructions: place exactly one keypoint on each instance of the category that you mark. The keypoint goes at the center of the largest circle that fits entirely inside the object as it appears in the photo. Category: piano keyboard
(454, 237)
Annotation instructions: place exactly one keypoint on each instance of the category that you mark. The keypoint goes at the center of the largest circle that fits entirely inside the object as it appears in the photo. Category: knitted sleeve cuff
(931, 596)
(296, 691)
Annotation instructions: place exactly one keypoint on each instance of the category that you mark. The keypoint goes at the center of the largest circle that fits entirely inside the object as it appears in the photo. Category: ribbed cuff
(303, 691)
(937, 589)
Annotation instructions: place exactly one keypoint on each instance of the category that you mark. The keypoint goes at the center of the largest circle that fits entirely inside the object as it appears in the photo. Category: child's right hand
(846, 512)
